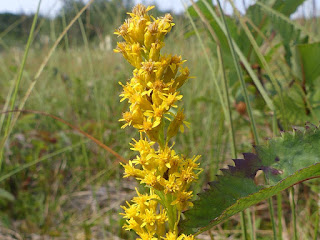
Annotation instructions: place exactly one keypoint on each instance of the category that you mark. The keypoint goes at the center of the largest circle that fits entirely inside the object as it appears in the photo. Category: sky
(51, 7)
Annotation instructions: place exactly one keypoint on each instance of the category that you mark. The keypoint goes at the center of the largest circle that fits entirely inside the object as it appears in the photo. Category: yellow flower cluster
(152, 90)
(152, 93)
(142, 216)
(164, 171)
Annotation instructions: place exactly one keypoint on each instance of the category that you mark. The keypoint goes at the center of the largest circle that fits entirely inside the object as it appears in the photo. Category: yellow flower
(181, 79)
(182, 200)
(192, 163)
(185, 237)
(149, 218)
(170, 99)
(166, 159)
(131, 171)
(132, 118)
(142, 146)
(151, 34)
(177, 124)
(165, 24)
(154, 54)
(132, 225)
(146, 236)
(172, 185)
(173, 68)
(173, 236)
(170, 236)
(131, 211)
(151, 93)
(187, 175)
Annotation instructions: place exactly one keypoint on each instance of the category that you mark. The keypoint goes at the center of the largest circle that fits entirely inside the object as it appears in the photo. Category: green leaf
(6, 195)
(286, 160)
(290, 31)
(287, 7)
(295, 107)
(308, 62)
(214, 25)
(204, 10)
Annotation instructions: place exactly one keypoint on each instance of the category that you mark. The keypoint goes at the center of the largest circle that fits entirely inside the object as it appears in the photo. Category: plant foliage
(285, 161)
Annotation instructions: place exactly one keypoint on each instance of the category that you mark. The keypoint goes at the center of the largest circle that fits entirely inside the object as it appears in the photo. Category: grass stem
(294, 216)
(18, 80)
(316, 224)
(279, 213)
(240, 76)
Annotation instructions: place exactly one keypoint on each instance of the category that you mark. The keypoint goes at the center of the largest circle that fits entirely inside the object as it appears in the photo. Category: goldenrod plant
(153, 94)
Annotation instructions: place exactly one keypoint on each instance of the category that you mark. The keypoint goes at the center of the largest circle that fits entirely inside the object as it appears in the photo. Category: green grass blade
(18, 80)
(64, 24)
(89, 57)
(279, 213)
(316, 224)
(12, 26)
(243, 59)
(232, 136)
(261, 58)
(293, 214)
(37, 75)
(209, 62)
(6, 105)
(6, 195)
(239, 73)
(44, 158)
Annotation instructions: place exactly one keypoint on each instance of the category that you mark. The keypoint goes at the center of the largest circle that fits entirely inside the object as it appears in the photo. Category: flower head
(152, 93)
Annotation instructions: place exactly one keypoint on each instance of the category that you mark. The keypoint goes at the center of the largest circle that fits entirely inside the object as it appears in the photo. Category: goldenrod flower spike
(151, 93)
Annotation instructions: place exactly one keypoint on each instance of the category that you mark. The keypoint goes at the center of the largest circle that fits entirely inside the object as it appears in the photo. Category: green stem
(64, 24)
(226, 92)
(172, 212)
(236, 63)
(262, 60)
(294, 217)
(239, 73)
(251, 226)
(244, 226)
(273, 223)
(232, 132)
(279, 196)
(279, 205)
(316, 225)
(18, 80)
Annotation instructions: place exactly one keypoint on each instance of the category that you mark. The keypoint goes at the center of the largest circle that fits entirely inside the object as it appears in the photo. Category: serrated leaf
(285, 160)
(290, 31)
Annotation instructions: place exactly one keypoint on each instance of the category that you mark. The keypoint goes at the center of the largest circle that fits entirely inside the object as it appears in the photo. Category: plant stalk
(232, 133)
(294, 216)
